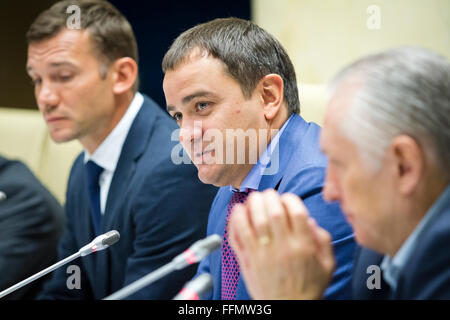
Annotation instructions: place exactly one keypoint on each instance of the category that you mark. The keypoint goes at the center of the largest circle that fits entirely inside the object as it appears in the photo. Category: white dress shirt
(108, 153)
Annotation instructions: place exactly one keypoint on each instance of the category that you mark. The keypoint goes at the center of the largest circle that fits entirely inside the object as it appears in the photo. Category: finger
(314, 229)
(297, 213)
(326, 249)
(278, 221)
(242, 236)
(257, 214)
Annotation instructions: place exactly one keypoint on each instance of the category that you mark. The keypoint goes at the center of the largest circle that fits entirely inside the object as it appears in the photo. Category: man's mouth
(53, 119)
(199, 156)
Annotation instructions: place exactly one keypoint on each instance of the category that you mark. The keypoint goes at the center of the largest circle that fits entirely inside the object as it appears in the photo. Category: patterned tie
(230, 266)
(93, 172)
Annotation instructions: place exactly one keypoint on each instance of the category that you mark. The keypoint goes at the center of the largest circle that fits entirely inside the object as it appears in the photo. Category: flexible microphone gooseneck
(195, 253)
(99, 243)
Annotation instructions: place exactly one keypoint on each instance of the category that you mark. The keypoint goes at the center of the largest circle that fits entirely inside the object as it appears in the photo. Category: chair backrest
(313, 100)
(24, 136)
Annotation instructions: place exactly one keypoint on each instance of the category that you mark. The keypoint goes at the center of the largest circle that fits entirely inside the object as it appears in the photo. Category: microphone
(2, 196)
(195, 288)
(195, 253)
(198, 251)
(99, 243)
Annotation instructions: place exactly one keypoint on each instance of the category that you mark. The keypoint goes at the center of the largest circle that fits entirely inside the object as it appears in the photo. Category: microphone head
(204, 247)
(209, 244)
(198, 251)
(111, 237)
(2, 196)
(202, 284)
(196, 288)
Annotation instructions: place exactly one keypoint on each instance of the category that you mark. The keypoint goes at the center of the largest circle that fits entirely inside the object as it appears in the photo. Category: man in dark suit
(31, 222)
(367, 280)
(229, 80)
(386, 134)
(85, 79)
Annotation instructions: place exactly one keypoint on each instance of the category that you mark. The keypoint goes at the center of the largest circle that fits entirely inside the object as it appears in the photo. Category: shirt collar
(108, 153)
(254, 176)
(392, 267)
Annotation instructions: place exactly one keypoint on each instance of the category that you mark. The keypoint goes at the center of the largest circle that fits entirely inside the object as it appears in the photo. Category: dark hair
(110, 31)
(248, 52)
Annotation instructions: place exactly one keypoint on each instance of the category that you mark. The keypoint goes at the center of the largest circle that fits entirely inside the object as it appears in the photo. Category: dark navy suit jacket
(302, 172)
(427, 272)
(31, 223)
(360, 290)
(159, 209)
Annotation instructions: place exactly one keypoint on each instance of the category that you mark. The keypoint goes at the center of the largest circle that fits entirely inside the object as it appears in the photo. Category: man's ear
(271, 90)
(409, 160)
(125, 73)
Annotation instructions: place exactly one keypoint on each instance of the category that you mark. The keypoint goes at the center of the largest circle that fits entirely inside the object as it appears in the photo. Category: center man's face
(70, 92)
(208, 105)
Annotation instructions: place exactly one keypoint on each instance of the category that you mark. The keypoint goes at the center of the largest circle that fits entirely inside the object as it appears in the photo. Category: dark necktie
(230, 266)
(93, 172)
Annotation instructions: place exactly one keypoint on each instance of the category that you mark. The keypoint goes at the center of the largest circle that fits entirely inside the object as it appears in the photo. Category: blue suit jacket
(158, 207)
(301, 171)
(427, 275)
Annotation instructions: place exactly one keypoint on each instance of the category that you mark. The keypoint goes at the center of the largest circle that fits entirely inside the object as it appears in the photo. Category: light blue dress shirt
(254, 176)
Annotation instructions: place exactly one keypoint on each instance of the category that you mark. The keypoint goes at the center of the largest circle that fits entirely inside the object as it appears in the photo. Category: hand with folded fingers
(282, 252)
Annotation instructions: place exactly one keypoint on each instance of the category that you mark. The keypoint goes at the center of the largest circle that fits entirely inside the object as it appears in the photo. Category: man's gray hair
(405, 90)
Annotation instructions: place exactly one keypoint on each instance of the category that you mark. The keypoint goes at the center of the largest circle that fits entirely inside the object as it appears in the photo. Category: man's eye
(64, 78)
(177, 116)
(202, 105)
(36, 81)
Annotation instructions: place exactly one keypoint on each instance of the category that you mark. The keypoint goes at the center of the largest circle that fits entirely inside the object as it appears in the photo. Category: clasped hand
(282, 252)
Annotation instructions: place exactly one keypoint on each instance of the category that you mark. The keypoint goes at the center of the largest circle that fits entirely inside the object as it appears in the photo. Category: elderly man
(387, 136)
(232, 89)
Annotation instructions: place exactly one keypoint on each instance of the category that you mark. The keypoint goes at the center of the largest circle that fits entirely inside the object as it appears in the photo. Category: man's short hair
(404, 90)
(111, 33)
(248, 52)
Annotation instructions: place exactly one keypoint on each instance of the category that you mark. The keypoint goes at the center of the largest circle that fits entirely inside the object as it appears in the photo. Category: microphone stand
(143, 282)
(195, 253)
(39, 274)
(99, 243)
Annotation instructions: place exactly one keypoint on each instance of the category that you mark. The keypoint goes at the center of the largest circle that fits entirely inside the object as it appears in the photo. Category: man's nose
(331, 188)
(46, 97)
(191, 132)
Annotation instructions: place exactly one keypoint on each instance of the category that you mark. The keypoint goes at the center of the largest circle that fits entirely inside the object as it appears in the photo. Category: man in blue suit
(85, 80)
(229, 80)
(387, 135)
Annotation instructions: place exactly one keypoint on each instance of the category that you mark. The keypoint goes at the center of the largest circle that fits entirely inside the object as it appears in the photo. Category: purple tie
(230, 266)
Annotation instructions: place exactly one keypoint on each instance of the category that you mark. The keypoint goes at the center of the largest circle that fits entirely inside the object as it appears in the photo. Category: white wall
(322, 36)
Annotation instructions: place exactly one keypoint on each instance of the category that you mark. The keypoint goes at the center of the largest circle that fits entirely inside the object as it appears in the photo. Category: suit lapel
(282, 154)
(134, 146)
